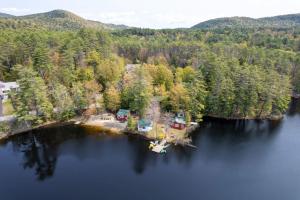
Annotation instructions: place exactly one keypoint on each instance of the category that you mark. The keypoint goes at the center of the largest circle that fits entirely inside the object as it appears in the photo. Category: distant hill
(282, 21)
(56, 19)
(65, 20)
(4, 15)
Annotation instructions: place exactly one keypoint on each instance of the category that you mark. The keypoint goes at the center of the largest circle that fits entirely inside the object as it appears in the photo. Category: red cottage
(178, 122)
(123, 115)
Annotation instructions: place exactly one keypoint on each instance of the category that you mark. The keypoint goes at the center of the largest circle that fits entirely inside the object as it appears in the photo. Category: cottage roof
(8, 85)
(123, 112)
(144, 123)
(2, 85)
(179, 120)
(180, 114)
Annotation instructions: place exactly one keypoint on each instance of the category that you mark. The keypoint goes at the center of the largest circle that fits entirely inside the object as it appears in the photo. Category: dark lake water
(235, 160)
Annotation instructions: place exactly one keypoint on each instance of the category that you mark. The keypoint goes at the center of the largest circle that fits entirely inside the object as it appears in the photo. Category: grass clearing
(7, 108)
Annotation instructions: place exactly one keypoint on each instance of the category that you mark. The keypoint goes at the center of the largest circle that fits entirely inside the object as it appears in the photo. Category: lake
(235, 160)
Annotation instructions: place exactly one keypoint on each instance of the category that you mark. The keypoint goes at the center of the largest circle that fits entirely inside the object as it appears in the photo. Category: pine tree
(31, 100)
(41, 61)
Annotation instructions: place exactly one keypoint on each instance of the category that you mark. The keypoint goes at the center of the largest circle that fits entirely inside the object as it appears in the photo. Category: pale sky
(155, 13)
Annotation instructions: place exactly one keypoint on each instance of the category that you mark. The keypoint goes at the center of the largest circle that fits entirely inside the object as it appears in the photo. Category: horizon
(155, 14)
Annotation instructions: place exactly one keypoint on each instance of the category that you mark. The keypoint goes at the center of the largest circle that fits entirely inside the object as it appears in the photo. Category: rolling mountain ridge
(56, 19)
(65, 20)
(281, 21)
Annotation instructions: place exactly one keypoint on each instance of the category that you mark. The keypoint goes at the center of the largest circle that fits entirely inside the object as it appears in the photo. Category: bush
(131, 125)
(4, 127)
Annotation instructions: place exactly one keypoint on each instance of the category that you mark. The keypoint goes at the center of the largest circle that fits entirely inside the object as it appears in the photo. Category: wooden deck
(160, 147)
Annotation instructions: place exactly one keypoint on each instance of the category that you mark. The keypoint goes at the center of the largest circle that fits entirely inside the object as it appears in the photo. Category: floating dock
(159, 147)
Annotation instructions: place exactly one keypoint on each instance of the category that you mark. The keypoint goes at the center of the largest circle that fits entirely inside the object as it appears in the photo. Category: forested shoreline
(226, 73)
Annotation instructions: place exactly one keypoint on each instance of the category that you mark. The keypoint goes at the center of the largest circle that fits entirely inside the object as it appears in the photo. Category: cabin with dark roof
(122, 115)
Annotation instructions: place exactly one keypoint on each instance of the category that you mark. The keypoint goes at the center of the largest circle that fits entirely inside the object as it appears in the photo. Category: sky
(155, 13)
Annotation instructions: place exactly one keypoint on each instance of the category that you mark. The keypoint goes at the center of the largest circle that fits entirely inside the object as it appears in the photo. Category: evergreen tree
(140, 92)
(41, 61)
(197, 92)
(31, 100)
(63, 103)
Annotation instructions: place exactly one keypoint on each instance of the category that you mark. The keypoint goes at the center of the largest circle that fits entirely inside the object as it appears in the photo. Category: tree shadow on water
(139, 154)
(294, 108)
(39, 149)
(142, 157)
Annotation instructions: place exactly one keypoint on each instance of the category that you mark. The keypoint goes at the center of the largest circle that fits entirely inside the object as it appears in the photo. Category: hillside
(4, 15)
(56, 19)
(65, 20)
(282, 21)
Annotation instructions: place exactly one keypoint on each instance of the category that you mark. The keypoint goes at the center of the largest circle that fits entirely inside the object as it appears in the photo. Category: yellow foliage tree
(112, 99)
(179, 98)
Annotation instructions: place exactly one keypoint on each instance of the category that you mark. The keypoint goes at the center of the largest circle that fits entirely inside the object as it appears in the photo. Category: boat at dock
(159, 147)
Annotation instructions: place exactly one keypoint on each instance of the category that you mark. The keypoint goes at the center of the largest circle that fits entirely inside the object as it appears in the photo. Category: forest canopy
(229, 73)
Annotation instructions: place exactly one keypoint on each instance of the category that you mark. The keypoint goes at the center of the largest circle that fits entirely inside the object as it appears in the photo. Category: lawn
(159, 132)
(7, 108)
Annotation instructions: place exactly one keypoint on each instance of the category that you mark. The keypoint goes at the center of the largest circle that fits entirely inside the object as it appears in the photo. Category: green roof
(144, 123)
(123, 112)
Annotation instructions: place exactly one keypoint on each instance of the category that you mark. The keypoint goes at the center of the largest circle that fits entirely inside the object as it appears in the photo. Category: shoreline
(104, 126)
(110, 127)
(271, 118)
(4, 136)
(124, 131)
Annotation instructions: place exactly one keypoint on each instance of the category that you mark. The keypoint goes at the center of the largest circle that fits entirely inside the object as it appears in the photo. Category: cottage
(178, 122)
(1, 106)
(123, 115)
(5, 88)
(1, 92)
(145, 125)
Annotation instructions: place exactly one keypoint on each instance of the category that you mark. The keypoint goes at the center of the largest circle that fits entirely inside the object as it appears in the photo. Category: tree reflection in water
(141, 157)
(39, 148)
(37, 154)
(294, 108)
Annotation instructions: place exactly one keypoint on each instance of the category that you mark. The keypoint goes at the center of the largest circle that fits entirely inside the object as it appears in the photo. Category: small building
(145, 125)
(6, 87)
(1, 105)
(178, 122)
(122, 115)
(1, 92)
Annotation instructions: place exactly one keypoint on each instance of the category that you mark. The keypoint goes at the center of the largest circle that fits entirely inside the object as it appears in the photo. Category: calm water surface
(235, 160)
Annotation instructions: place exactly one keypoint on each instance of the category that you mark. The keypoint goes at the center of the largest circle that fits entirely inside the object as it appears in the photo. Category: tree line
(228, 73)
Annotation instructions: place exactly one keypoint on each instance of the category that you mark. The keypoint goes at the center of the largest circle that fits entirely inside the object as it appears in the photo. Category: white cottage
(145, 125)
(6, 87)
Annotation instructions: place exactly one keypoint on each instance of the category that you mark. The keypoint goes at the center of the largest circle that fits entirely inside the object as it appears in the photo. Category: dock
(159, 147)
